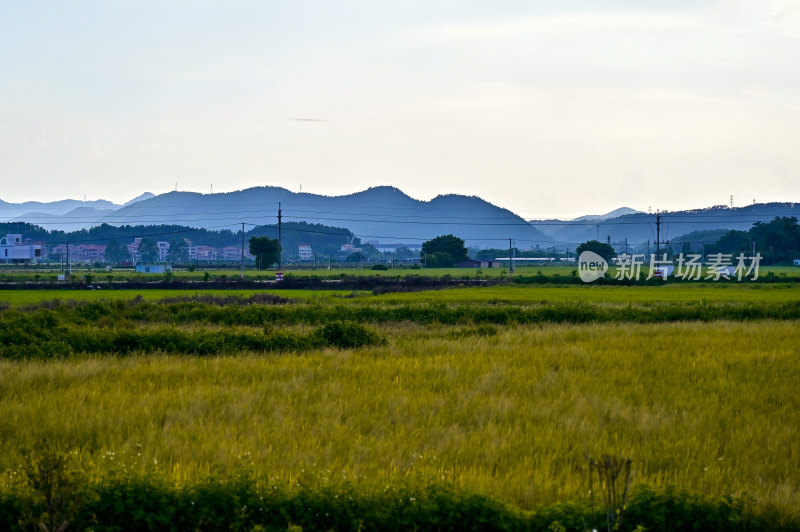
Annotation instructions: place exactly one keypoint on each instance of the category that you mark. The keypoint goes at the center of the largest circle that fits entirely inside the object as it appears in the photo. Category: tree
(266, 250)
(404, 253)
(355, 257)
(148, 250)
(445, 251)
(601, 248)
(777, 241)
(115, 253)
(179, 251)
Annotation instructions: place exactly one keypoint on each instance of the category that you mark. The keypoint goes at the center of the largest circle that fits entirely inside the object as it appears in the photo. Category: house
(350, 248)
(230, 253)
(472, 263)
(797, 262)
(203, 253)
(13, 249)
(163, 250)
(133, 249)
(304, 252)
(90, 253)
(153, 268)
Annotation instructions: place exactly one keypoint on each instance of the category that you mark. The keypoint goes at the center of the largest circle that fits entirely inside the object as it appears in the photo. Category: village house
(13, 249)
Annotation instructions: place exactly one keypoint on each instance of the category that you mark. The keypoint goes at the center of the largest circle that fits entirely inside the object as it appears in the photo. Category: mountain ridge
(387, 214)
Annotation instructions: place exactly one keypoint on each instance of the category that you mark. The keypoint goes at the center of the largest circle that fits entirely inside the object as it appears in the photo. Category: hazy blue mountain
(48, 212)
(385, 214)
(61, 207)
(388, 215)
(616, 213)
(140, 197)
(640, 228)
(79, 218)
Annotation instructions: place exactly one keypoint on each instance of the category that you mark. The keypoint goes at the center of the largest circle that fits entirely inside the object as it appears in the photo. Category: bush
(348, 334)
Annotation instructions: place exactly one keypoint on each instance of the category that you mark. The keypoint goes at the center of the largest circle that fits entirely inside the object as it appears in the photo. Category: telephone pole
(510, 258)
(658, 232)
(280, 246)
(242, 250)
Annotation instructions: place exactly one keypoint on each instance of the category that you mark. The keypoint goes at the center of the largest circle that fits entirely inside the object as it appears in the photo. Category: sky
(550, 109)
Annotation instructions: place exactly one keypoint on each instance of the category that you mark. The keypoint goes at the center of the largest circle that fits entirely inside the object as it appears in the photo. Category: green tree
(266, 250)
(115, 253)
(404, 253)
(777, 241)
(601, 248)
(179, 251)
(148, 250)
(444, 251)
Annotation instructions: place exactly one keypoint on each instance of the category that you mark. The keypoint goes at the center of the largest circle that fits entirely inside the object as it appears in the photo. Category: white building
(153, 268)
(13, 249)
(304, 252)
(163, 250)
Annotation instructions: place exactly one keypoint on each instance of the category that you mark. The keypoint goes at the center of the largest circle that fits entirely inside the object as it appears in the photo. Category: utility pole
(626, 245)
(69, 261)
(510, 257)
(658, 232)
(329, 261)
(242, 250)
(280, 245)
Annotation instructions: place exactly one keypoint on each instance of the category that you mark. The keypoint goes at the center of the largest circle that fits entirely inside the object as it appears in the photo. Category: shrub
(348, 334)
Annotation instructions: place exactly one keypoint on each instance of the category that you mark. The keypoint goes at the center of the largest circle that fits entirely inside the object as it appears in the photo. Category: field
(500, 392)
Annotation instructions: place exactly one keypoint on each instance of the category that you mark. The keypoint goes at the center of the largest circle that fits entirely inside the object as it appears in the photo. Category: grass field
(709, 408)
(507, 411)
(15, 273)
(709, 292)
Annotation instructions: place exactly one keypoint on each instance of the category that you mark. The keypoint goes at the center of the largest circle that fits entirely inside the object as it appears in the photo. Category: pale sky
(546, 108)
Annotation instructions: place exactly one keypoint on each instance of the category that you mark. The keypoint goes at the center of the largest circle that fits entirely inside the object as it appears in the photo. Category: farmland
(500, 392)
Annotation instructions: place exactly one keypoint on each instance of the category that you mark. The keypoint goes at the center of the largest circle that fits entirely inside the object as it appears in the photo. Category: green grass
(25, 297)
(513, 294)
(506, 411)
(711, 408)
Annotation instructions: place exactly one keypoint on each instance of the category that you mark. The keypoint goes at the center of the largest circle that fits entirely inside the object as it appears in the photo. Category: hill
(640, 228)
(384, 213)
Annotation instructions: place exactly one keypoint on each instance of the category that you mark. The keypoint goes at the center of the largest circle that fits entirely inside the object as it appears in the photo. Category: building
(153, 268)
(304, 252)
(13, 249)
(350, 248)
(90, 253)
(203, 253)
(230, 253)
(133, 250)
(163, 250)
(797, 262)
(472, 263)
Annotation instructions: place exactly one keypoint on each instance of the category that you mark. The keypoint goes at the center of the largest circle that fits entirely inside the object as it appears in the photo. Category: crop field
(492, 397)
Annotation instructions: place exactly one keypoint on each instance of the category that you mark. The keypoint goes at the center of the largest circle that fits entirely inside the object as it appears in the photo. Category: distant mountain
(640, 228)
(79, 218)
(141, 197)
(62, 207)
(388, 215)
(616, 213)
(50, 211)
(383, 213)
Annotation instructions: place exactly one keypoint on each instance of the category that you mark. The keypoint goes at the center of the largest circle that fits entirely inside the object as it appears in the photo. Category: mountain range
(388, 215)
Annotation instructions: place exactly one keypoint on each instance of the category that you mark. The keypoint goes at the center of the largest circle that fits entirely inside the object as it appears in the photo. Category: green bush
(130, 502)
(346, 335)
